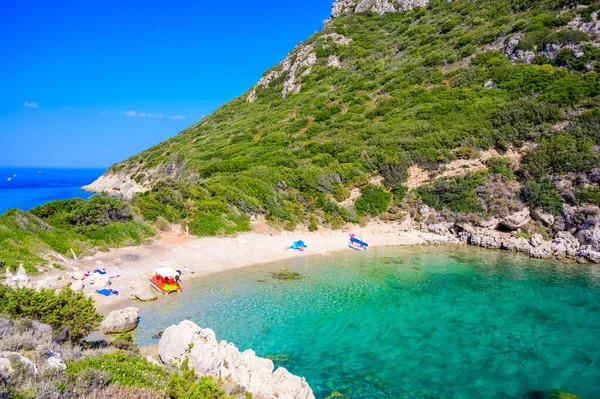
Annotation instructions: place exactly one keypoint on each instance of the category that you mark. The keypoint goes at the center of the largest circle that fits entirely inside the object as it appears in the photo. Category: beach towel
(113, 275)
(100, 271)
(105, 292)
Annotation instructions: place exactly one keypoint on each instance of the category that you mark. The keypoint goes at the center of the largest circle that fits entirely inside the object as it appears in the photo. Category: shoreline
(201, 256)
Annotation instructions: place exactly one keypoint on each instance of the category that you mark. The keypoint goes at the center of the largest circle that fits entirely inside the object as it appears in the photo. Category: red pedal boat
(165, 280)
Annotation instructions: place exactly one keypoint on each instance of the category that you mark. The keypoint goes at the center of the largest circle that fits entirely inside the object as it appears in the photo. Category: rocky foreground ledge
(240, 371)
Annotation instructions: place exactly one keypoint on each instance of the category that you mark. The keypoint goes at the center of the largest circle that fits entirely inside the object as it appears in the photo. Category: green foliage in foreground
(65, 308)
(187, 385)
(409, 91)
(123, 368)
(30, 238)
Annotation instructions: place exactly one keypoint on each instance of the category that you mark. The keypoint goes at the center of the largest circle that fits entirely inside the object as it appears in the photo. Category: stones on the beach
(45, 283)
(516, 220)
(77, 275)
(77, 286)
(144, 295)
(536, 240)
(120, 321)
(222, 359)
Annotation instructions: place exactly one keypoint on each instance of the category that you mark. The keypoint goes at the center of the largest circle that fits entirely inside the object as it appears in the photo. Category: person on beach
(178, 277)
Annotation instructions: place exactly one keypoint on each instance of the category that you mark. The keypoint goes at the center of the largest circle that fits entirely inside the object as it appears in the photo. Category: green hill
(375, 98)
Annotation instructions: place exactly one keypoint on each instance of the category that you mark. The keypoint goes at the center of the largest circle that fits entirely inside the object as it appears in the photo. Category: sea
(412, 323)
(26, 188)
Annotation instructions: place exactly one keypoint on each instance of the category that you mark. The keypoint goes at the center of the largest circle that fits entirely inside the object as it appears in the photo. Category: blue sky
(87, 84)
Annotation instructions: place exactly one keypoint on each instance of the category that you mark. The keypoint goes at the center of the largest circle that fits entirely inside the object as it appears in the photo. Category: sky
(90, 83)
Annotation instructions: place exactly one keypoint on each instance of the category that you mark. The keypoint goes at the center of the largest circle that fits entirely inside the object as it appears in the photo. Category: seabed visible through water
(426, 322)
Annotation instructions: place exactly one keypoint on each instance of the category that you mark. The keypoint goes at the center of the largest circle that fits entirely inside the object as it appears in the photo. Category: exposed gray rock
(542, 251)
(546, 218)
(378, 6)
(144, 295)
(489, 240)
(45, 283)
(78, 275)
(440, 228)
(564, 244)
(55, 362)
(6, 368)
(516, 244)
(222, 359)
(591, 237)
(120, 321)
(516, 220)
(118, 184)
(536, 240)
(491, 224)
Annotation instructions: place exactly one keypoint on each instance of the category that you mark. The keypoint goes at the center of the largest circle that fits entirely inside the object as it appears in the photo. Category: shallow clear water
(31, 187)
(407, 323)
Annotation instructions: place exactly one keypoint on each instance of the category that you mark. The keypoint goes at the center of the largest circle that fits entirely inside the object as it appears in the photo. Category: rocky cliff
(223, 360)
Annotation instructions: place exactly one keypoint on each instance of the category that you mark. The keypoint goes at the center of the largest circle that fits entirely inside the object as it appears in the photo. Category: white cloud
(179, 117)
(31, 104)
(142, 114)
(104, 112)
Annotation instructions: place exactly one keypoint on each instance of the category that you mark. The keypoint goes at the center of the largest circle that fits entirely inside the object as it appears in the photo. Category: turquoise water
(408, 323)
(31, 187)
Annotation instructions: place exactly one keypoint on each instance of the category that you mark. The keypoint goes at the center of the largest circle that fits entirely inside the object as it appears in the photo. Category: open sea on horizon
(26, 188)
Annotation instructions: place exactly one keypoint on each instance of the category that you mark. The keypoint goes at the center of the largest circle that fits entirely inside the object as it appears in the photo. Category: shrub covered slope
(369, 96)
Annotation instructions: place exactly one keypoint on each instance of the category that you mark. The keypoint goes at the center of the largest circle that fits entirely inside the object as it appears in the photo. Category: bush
(373, 201)
(399, 193)
(458, 194)
(500, 166)
(313, 225)
(590, 195)
(187, 385)
(65, 308)
(543, 195)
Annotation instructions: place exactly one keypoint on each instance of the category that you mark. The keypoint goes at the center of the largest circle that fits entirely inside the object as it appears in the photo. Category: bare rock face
(546, 218)
(118, 184)
(378, 6)
(516, 220)
(120, 321)
(222, 359)
(590, 237)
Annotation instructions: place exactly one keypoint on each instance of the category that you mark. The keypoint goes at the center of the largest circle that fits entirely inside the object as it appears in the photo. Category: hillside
(476, 109)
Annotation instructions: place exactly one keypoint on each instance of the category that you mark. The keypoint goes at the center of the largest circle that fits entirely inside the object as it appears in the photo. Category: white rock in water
(221, 359)
(120, 321)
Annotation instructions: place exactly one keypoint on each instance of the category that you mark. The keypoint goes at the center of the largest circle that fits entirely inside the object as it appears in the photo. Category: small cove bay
(425, 322)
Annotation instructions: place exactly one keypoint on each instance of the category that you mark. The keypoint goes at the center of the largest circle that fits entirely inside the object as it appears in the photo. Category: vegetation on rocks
(422, 87)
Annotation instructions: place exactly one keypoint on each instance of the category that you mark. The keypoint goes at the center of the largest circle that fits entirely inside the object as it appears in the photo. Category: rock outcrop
(120, 321)
(378, 6)
(516, 220)
(223, 360)
(117, 184)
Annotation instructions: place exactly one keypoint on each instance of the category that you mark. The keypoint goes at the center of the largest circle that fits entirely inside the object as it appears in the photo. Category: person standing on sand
(187, 231)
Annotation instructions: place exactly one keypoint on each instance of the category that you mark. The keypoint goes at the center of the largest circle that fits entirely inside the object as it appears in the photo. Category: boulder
(406, 223)
(439, 228)
(21, 271)
(6, 368)
(516, 244)
(222, 359)
(564, 244)
(77, 285)
(546, 218)
(536, 240)
(516, 220)
(77, 275)
(590, 236)
(144, 295)
(491, 240)
(490, 224)
(542, 251)
(120, 321)
(55, 362)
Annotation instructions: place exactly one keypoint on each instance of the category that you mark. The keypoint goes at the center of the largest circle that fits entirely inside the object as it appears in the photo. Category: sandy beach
(198, 256)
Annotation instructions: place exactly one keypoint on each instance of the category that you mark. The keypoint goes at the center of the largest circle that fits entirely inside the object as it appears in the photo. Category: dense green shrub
(589, 195)
(187, 385)
(457, 194)
(65, 308)
(543, 195)
(399, 193)
(373, 201)
(500, 166)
